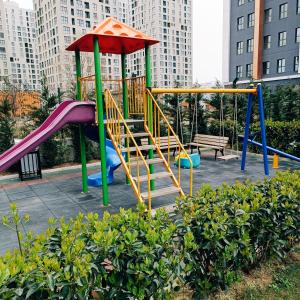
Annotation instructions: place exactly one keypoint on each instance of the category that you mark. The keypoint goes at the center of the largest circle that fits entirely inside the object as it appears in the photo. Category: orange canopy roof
(113, 37)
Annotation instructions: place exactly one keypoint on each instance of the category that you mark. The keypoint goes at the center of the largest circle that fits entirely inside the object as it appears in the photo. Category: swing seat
(204, 141)
(228, 157)
(185, 163)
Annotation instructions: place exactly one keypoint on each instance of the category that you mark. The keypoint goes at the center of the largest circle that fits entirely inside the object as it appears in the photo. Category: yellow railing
(161, 124)
(135, 91)
(116, 126)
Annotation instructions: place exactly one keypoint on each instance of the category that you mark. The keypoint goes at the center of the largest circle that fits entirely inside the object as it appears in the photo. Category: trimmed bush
(126, 256)
(236, 227)
(284, 136)
(281, 135)
(132, 255)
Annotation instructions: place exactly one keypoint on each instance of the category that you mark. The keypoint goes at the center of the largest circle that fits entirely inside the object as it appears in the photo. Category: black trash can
(30, 166)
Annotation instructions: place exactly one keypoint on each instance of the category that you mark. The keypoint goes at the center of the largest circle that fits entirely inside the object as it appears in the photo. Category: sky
(207, 38)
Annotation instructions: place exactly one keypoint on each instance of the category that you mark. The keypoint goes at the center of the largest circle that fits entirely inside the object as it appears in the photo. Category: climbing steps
(147, 179)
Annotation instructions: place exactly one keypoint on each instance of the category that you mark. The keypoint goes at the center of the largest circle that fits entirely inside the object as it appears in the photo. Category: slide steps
(163, 175)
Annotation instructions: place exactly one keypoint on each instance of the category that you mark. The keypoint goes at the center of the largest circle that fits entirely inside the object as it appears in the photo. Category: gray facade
(280, 62)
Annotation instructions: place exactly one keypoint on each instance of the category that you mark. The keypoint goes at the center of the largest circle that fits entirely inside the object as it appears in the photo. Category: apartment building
(262, 41)
(18, 52)
(171, 23)
(60, 22)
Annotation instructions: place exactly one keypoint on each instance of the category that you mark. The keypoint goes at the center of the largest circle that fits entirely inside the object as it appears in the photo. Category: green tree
(7, 125)
(197, 117)
(172, 107)
(92, 149)
(53, 148)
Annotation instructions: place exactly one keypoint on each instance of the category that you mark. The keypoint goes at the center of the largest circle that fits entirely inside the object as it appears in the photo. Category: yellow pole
(201, 91)
(275, 161)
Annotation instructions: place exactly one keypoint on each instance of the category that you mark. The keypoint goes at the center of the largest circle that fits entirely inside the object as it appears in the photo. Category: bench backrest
(162, 141)
(212, 140)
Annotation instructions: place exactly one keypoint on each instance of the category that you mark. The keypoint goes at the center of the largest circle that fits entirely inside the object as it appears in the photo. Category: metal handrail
(135, 91)
(158, 117)
(114, 118)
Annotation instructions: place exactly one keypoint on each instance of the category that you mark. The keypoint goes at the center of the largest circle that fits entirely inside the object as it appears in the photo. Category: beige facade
(59, 22)
(18, 52)
(171, 23)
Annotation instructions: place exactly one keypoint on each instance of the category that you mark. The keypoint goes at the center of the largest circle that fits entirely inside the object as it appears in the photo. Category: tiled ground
(59, 194)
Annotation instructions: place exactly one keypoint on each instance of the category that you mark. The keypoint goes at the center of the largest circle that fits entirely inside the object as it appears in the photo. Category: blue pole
(263, 127)
(246, 134)
(274, 150)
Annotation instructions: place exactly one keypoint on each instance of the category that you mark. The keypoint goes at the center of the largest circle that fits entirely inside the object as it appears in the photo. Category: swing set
(251, 92)
(218, 143)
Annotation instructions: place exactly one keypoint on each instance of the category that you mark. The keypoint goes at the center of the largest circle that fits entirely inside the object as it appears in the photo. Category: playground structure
(125, 103)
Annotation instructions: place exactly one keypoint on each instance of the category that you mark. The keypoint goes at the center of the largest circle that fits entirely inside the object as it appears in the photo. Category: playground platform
(58, 194)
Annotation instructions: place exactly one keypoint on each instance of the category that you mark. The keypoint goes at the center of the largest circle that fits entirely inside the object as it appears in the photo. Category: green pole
(100, 121)
(81, 133)
(125, 98)
(150, 108)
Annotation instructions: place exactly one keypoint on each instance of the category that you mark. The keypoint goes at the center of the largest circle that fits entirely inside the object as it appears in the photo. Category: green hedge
(132, 255)
(281, 135)
(236, 227)
(284, 136)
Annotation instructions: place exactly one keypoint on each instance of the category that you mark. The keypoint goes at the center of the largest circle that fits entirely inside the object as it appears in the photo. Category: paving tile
(52, 196)
(59, 202)
(28, 202)
(22, 195)
(8, 240)
(67, 211)
(18, 190)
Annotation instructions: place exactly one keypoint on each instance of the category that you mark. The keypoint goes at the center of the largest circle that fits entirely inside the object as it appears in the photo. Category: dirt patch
(184, 294)
(258, 279)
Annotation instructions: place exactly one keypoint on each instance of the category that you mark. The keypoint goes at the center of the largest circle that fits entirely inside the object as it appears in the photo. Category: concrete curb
(51, 171)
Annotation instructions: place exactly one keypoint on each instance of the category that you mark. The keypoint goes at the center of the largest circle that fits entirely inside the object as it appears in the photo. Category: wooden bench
(204, 141)
(163, 143)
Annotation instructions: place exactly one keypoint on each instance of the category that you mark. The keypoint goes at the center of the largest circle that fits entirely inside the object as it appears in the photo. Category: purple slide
(69, 111)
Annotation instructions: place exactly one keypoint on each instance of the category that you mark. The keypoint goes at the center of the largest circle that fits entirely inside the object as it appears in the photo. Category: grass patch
(273, 281)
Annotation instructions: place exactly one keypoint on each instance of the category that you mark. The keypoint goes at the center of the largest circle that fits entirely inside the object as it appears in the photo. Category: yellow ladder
(135, 165)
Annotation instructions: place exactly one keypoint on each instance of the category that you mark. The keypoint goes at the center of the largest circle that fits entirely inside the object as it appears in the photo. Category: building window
(64, 20)
(283, 11)
(296, 64)
(251, 20)
(249, 70)
(281, 65)
(298, 6)
(297, 35)
(282, 38)
(240, 48)
(241, 2)
(266, 67)
(250, 45)
(239, 71)
(268, 15)
(267, 42)
(240, 23)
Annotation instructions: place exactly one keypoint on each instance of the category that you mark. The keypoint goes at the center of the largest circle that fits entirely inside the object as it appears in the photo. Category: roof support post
(81, 132)
(125, 99)
(149, 107)
(100, 118)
